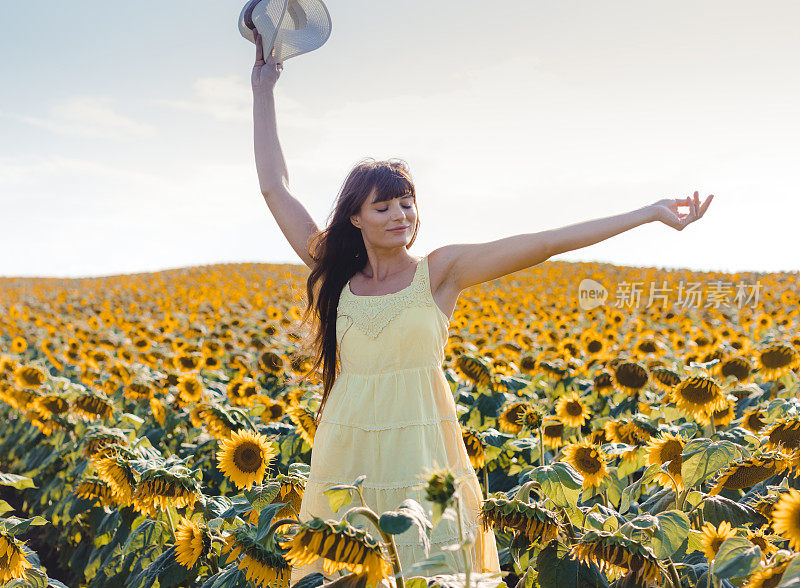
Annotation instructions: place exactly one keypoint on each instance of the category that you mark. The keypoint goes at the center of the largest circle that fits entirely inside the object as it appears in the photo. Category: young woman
(382, 316)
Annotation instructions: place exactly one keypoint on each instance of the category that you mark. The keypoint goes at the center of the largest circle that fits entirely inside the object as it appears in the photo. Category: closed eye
(385, 209)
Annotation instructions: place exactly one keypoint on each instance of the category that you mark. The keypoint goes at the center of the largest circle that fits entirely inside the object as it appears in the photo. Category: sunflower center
(586, 461)
(697, 391)
(248, 457)
(670, 450)
(574, 408)
(776, 358)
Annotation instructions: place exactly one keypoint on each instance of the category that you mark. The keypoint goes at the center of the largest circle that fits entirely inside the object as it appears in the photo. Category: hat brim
(290, 27)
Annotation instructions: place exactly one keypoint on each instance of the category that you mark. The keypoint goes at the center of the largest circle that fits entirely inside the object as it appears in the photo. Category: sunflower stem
(274, 527)
(371, 515)
(486, 481)
(541, 445)
(171, 522)
(673, 573)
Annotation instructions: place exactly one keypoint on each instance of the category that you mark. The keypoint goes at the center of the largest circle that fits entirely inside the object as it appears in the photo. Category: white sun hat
(291, 27)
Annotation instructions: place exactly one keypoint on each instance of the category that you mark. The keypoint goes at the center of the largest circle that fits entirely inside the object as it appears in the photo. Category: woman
(383, 315)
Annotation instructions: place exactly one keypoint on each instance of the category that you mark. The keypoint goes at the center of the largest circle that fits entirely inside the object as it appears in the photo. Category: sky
(126, 129)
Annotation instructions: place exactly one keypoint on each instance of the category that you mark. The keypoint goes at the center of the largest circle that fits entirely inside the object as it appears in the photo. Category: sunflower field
(157, 430)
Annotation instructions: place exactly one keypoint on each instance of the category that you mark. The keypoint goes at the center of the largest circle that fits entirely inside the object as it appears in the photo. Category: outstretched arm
(471, 264)
(292, 217)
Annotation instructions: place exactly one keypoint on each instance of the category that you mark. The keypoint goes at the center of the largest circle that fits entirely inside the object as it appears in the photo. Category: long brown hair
(338, 252)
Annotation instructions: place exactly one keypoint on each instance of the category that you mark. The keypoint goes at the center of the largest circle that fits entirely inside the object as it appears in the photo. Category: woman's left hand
(667, 210)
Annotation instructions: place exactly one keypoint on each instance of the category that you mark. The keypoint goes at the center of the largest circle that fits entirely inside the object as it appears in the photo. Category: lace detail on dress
(371, 314)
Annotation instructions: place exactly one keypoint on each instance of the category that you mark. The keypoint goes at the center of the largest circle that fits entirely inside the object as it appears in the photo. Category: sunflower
(571, 410)
(192, 542)
(759, 539)
(531, 418)
(630, 376)
(245, 456)
(475, 446)
(753, 420)
(509, 418)
(784, 433)
(532, 521)
(475, 369)
(271, 363)
(777, 360)
(771, 576)
(739, 367)
(749, 471)
(117, 472)
(552, 434)
(712, 537)
(13, 562)
(698, 394)
(93, 405)
(604, 380)
(29, 377)
(617, 555)
(786, 517)
(665, 379)
(722, 416)
(94, 488)
(190, 389)
(159, 488)
(667, 450)
(303, 419)
(590, 462)
(340, 545)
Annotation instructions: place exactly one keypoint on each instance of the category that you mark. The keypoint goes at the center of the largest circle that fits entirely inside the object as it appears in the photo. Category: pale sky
(128, 146)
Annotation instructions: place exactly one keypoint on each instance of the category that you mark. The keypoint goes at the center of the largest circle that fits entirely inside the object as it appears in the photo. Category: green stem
(171, 522)
(388, 539)
(673, 573)
(275, 526)
(486, 481)
(541, 445)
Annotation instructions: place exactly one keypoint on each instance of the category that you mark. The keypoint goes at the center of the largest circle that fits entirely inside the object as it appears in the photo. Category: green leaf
(5, 507)
(736, 557)
(394, 523)
(791, 576)
(560, 482)
(338, 497)
(717, 509)
(18, 482)
(673, 531)
(702, 458)
(634, 491)
(14, 525)
(557, 570)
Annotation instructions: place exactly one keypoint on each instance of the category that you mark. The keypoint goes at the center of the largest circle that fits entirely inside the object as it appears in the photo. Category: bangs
(392, 185)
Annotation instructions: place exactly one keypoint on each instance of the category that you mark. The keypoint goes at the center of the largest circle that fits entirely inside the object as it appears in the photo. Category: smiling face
(377, 221)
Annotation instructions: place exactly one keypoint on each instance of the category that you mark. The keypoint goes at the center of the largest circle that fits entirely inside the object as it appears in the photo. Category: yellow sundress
(389, 415)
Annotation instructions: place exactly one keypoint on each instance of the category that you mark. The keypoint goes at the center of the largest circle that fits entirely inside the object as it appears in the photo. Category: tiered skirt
(395, 427)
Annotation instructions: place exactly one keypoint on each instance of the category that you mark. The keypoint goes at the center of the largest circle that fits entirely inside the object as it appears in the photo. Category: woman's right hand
(265, 73)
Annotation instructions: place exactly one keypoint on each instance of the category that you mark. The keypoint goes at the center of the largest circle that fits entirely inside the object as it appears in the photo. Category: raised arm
(467, 265)
(292, 217)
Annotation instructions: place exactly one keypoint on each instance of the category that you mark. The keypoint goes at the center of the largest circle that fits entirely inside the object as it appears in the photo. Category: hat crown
(288, 27)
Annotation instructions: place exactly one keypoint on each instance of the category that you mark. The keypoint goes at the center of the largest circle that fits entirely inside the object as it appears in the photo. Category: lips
(399, 229)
